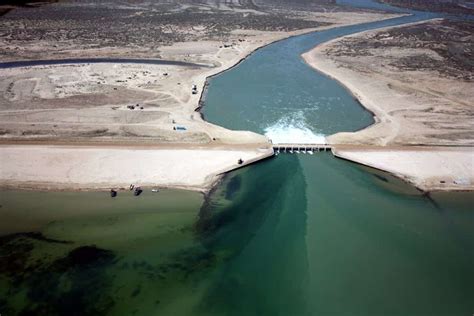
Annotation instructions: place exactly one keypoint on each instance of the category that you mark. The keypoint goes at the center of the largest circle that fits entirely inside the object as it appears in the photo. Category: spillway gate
(300, 148)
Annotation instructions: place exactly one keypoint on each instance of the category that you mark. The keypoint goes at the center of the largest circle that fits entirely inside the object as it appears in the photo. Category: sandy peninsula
(97, 126)
(417, 80)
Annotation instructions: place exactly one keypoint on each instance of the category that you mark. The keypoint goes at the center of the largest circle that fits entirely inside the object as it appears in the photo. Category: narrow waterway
(275, 92)
(293, 235)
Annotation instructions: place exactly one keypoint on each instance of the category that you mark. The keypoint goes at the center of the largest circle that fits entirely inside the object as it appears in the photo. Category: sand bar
(71, 168)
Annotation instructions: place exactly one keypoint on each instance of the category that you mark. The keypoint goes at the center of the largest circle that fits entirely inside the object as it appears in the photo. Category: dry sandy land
(428, 169)
(419, 90)
(80, 102)
(90, 100)
(456, 7)
(65, 168)
(88, 104)
(142, 29)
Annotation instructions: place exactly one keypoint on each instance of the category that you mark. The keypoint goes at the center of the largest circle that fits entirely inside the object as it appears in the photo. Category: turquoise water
(275, 92)
(292, 235)
(337, 239)
(319, 236)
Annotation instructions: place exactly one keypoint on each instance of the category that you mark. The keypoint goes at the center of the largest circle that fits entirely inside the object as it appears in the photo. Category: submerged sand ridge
(417, 80)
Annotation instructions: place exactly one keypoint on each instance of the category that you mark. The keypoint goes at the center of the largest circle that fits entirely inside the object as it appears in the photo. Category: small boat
(113, 193)
(131, 187)
(137, 191)
(155, 190)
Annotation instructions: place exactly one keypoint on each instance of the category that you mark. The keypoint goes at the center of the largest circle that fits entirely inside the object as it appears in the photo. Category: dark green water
(293, 235)
(325, 237)
(338, 240)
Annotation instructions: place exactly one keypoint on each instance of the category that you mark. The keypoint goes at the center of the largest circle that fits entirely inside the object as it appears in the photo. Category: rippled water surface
(292, 235)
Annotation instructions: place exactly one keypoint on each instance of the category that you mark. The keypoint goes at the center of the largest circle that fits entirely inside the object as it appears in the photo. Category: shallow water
(139, 243)
(292, 235)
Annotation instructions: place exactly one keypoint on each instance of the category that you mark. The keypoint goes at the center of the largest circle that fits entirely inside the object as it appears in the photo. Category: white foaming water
(293, 130)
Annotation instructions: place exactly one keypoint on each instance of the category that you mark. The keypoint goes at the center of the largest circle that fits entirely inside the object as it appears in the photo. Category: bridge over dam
(300, 148)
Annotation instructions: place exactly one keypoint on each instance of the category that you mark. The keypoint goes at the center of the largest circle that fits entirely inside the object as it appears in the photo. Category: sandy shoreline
(99, 168)
(427, 168)
(394, 143)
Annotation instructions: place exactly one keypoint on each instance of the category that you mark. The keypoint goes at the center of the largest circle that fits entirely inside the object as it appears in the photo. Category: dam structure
(295, 148)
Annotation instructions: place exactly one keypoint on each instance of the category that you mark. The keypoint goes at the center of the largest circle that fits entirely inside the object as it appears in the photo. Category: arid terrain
(418, 81)
(446, 6)
(418, 78)
(90, 101)
(141, 29)
(124, 104)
